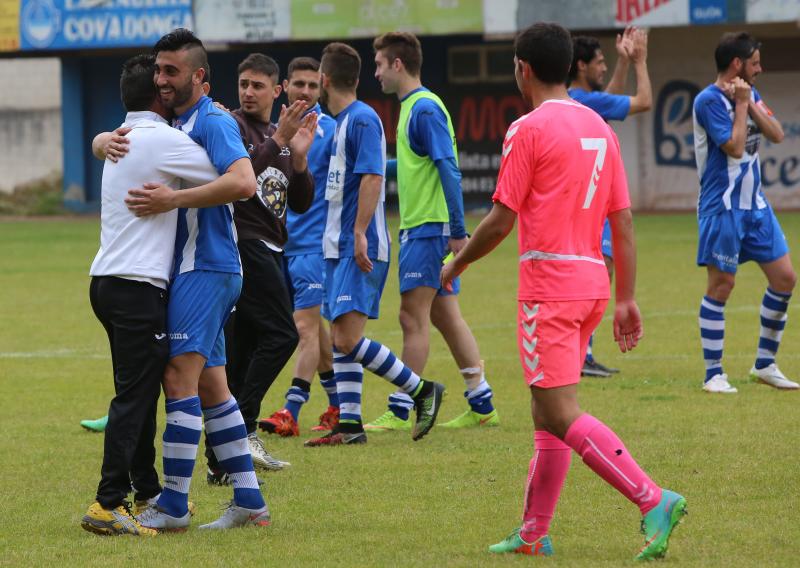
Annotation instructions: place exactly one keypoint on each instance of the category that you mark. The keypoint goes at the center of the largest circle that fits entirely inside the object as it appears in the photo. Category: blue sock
(400, 404)
(480, 398)
(589, 355)
(328, 381)
(181, 437)
(773, 321)
(227, 436)
(712, 335)
(381, 361)
(297, 395)
(349, 384)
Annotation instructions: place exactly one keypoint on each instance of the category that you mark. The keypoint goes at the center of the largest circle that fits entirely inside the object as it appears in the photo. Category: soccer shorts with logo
(348, 289)
(605, 243)
(553, 337)
(306, 274)
(200, 303)
(733, 237)
(420, 262)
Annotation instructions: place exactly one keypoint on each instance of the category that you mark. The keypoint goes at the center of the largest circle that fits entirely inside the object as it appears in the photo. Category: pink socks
(546, 475)
(607, 456)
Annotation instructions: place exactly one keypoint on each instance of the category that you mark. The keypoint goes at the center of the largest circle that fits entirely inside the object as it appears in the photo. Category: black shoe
(594, 369)
(427, 404)
(220, 478)
(602, 367)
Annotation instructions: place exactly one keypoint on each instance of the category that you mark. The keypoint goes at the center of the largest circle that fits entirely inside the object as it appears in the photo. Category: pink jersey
(562, 174)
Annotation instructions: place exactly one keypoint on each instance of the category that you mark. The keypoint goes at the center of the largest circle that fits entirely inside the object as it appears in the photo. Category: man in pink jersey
(562, 175)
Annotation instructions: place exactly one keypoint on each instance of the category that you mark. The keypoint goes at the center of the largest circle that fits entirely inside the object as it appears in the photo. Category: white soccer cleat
(235, 516)
(773, 377)
(719, 384)
(261, 457)
(153, 517)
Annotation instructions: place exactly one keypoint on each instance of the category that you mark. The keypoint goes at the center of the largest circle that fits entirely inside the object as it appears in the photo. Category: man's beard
(182, 95)
(323, 96)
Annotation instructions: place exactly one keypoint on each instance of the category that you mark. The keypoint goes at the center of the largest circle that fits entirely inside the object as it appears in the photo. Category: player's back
(562, 173)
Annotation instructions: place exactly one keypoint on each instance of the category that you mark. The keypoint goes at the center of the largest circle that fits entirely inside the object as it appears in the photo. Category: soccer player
(562, 175)
(586, 76)
(261, 334)
(431, 225)
(305, 267)
(356, 249)
(206, 285)
(129, 289)
(736, 222)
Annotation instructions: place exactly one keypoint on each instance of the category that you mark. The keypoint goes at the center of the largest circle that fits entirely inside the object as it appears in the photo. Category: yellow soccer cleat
(111, 522)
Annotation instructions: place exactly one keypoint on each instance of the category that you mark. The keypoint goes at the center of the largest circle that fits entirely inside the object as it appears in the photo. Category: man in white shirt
(128, 291)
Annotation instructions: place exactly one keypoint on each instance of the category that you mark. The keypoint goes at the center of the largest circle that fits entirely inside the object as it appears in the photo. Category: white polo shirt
(142, 248)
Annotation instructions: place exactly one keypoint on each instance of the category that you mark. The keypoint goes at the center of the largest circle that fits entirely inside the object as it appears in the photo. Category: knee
(174, 384)
(785, 282)
(409, 322)
(720, 288)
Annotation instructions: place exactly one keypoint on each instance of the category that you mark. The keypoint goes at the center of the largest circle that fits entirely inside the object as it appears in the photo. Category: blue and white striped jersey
(306, 229)
(358, 148)
(725, 182)
(206, 238)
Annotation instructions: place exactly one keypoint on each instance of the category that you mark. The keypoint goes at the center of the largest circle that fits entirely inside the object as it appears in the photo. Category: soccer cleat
(98, 425)
(281, 422)
(472, 419)
(388, 421)
(235, 516)
(327, 420)
(594, 369)
(221, 478)
(142, 504)
(719, 384)
(261, 457)
(610, 370)
(154, 517)
(772, 376)
(335, 438)
(117, 521)
(542, 546)
(427, 407)
(658, 524)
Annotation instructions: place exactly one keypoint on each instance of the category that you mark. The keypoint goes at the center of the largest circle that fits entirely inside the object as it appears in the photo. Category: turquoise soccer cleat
(513, 543)
(658, 524)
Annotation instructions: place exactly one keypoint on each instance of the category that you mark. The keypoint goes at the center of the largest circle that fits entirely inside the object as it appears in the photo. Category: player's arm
(238, 182)
(111, 145)
(491, 231)
(734, 147)
(770, 127)
(643, 99)
(616, 84)
(627, 319)
(369, 193)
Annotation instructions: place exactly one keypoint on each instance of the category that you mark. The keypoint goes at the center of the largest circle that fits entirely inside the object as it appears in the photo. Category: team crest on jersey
(272, 184)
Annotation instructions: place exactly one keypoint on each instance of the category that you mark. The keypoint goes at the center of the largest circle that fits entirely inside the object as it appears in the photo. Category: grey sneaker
(773, 377)
(261, 457)
(427, 404)
(235, 516)
(154, 517)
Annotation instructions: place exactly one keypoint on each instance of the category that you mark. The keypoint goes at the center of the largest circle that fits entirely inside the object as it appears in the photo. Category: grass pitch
(440, 501)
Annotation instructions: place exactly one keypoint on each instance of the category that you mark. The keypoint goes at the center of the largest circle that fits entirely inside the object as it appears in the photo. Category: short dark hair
(183, 39)
(547, 48)
(301, 64)
(260, 63)
(403, 46)
(136, 87)
(342, 64)
(732, 45)
(584, 48)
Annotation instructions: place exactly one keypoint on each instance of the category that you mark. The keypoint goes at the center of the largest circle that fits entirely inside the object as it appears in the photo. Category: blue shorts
(306, 274)
(606, 242)
(733, 237)
(421, 264)
(347, 289)
(200, 303)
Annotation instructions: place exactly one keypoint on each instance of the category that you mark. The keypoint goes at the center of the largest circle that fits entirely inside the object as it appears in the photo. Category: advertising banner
(315, 19)
(759, 11)
(243, 20)
(9, 25)
(89, 24)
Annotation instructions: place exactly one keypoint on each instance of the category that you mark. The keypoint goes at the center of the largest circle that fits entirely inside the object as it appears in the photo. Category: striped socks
(773, 321)
(227, 436)
(328, 381)
(181, 437)
(297, 395)
(381, 361)
(349, 384)
(712, 334)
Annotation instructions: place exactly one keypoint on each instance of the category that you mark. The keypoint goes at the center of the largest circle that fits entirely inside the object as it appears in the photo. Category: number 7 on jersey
(594, 145)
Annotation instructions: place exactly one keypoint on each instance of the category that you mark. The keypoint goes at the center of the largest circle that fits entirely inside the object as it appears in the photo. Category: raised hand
(301, 141)
(639, 46)
(289, 122)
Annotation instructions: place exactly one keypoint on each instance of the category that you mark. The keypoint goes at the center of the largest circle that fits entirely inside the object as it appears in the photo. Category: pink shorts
(553, 337)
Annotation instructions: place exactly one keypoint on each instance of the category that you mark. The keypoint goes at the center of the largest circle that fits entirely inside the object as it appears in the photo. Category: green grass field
(438, 502)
